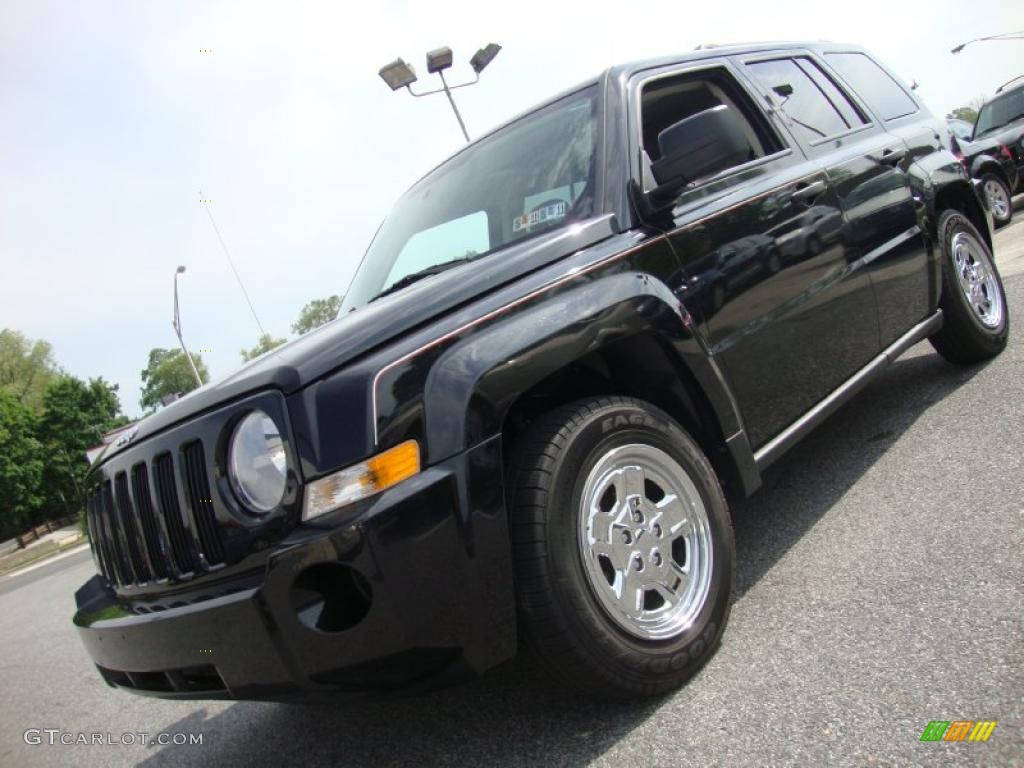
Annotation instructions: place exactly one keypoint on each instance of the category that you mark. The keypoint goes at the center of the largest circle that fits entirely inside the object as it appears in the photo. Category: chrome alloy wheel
(998, 199)
(645, 541)
(977, 279)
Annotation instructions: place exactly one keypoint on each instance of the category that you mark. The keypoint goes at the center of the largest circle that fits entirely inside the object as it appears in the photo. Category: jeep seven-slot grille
(140, 531)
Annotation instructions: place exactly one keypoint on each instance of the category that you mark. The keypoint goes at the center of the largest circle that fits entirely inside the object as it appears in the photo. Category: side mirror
(699, 146)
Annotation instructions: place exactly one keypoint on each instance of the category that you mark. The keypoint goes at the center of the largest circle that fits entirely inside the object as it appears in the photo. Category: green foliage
(26, 367)
(316, 313)
(21, 466)
(968, 114)
(75, 416)
(265, 343)
(168, 372)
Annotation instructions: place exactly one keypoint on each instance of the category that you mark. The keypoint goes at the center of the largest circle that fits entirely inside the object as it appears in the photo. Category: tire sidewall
(955, 302)
(605, 429)
(1009, 198)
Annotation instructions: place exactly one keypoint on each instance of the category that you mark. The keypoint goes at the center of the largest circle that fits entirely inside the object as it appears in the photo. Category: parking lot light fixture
(1001, 36)
(484, 56)
(399, 74)
(439, 60)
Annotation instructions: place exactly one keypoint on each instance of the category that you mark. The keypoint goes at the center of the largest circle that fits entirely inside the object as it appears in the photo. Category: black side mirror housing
(699, 146)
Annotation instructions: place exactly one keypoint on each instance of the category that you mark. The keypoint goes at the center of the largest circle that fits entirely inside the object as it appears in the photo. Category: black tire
(1004, 219)
(561, 617)
(964, 339)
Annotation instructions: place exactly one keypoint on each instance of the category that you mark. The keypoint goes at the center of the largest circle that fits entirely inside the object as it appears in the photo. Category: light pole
(177, 326)
(1002, 36)
(399, 74)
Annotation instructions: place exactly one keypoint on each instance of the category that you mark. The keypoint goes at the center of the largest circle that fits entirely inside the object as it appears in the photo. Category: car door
(903, 279)
(783, 312)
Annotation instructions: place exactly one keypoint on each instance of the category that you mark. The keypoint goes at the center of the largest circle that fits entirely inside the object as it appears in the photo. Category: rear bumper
(431, 602)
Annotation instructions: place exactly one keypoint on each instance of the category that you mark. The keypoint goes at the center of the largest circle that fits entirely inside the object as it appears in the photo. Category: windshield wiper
(414, 277)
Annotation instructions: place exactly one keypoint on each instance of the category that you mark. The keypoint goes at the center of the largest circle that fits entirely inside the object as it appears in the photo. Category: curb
(65, 549)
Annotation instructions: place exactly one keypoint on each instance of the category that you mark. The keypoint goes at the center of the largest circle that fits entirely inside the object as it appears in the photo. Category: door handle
(892, 156)
(807, 193)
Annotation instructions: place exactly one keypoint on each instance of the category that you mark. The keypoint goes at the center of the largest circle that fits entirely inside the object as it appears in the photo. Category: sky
(115, 115)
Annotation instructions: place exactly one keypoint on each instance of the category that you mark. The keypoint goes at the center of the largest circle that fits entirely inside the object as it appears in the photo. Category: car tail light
(963, 160)
(1006, 151)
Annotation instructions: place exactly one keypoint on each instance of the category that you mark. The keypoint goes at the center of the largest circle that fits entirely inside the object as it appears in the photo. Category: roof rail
(1000, 88)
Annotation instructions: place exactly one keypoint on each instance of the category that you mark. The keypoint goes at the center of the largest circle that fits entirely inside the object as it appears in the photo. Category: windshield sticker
(539, 216)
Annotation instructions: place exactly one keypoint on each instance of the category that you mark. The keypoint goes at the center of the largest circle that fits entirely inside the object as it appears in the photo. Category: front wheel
(976, 322)
(623, 548)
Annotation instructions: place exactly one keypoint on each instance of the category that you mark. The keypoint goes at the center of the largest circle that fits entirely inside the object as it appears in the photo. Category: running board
(785, 440)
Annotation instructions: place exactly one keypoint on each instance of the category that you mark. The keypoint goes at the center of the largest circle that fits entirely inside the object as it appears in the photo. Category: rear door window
(815, 108)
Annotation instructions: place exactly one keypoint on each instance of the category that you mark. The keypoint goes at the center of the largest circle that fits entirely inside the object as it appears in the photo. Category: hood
(329, 347)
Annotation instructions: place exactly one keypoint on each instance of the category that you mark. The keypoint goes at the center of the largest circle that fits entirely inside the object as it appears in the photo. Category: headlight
(361, 480)
(257, 465)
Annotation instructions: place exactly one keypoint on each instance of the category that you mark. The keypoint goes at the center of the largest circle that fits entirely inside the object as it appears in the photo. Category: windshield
(534, 175)
(1000, 111)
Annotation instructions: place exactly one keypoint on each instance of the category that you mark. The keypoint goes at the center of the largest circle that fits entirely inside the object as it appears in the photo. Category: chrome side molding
(783, 441)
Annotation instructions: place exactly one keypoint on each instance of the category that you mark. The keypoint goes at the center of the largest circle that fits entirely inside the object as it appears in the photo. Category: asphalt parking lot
(879, 588)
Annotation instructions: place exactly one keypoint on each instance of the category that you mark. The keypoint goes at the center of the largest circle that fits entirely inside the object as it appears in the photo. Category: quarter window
(882, 93)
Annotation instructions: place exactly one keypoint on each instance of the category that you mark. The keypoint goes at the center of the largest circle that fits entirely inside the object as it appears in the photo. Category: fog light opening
(330, 597)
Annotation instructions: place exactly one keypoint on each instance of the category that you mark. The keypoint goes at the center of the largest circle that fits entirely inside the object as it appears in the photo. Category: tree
(265, 343)
(316, 313)
(21, 466)
(75, 415)
(26, 367)
(967, 114)
(168, 373)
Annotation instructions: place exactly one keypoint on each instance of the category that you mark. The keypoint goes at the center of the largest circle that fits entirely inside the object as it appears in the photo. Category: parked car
(1001, 119)
(994, 170)
(960, 128)
(539, 440)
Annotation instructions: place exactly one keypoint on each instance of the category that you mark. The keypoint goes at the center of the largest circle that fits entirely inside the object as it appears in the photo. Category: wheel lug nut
(638, 563)
(626, 538)
(657, 558)
(656, 530)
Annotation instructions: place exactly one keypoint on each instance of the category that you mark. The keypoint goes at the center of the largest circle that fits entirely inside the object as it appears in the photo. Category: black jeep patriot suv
(567, 346)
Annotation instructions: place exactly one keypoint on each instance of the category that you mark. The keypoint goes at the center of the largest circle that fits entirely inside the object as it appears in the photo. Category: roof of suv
(711, 51)
(630, 68)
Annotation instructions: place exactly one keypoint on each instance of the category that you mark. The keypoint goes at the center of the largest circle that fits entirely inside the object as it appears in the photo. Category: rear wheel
(623, 548)
(976, 321)
(1000, 202)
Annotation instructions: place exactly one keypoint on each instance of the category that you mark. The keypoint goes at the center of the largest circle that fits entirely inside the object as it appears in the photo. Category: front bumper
(432, 553)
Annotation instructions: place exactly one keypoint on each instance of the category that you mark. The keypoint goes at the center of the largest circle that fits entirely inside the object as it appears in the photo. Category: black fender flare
(470, 388)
